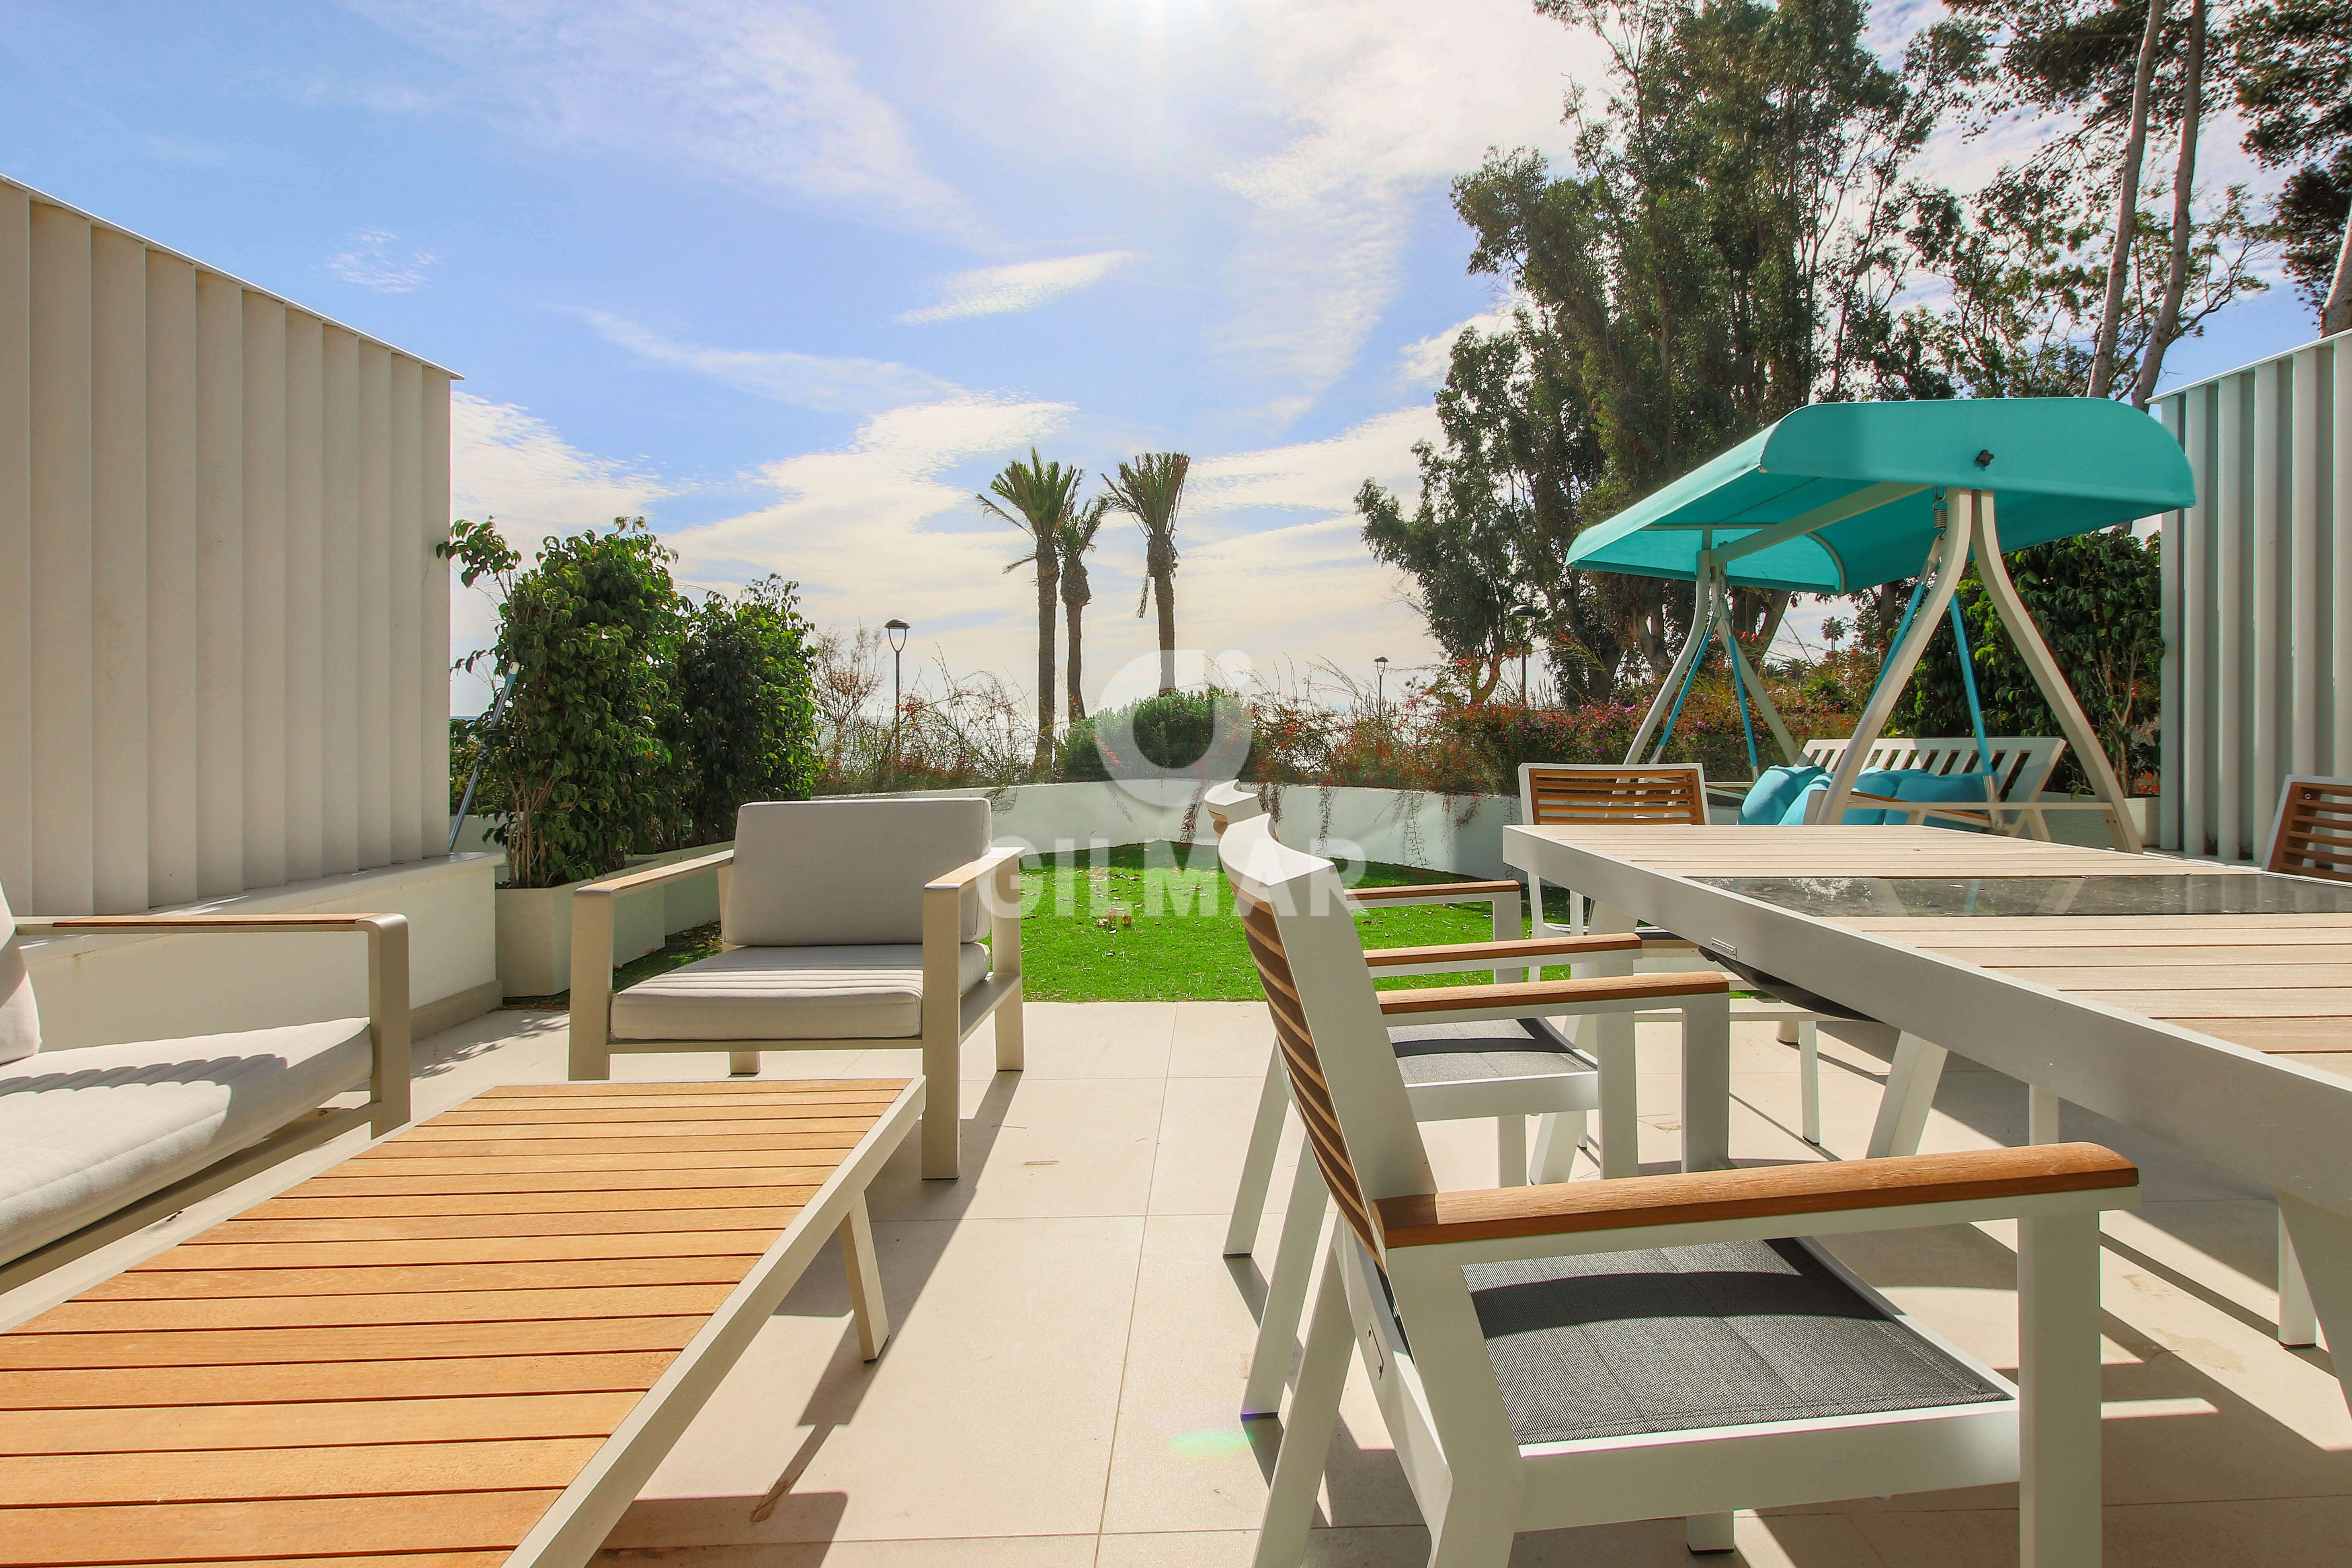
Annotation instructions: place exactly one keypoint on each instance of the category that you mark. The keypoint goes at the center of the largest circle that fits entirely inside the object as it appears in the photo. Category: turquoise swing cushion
(1769, 797)
(1877, 781)
(1947, 789)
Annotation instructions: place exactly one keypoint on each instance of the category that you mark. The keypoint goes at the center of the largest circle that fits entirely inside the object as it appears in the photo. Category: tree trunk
(2103, 359)
(1049, 580)
(1074, 608)
(1164, 585)
(2184, 223)
(2336, 316)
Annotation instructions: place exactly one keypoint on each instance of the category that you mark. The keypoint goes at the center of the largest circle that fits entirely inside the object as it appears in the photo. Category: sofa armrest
(387, 963)
(592, 947)
(1997, 1180)
(943, 914)
(652, 876)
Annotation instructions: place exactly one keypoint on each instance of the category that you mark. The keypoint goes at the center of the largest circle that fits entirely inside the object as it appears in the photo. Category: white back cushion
(20, 1021)
(839, 873)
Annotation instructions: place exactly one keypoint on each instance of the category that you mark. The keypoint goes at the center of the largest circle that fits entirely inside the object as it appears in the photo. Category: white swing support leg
(1945, 558)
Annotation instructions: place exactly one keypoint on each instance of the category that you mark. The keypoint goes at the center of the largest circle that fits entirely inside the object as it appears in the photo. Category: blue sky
(794, 280)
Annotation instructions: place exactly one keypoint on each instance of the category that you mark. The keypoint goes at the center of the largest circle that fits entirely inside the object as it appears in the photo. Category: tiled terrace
(1070, 1348)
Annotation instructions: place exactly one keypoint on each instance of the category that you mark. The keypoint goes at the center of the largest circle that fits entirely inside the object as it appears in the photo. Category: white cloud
(371, 260)
(1425, 361)
(807, 381)
(1391, 99)
(1020, 286)
(1322, 476)
(752, 90)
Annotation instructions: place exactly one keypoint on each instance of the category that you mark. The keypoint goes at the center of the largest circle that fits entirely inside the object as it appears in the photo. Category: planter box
(535, 924)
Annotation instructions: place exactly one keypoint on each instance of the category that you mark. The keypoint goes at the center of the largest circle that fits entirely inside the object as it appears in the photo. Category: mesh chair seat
(1731, 1334)
(1483, 1052)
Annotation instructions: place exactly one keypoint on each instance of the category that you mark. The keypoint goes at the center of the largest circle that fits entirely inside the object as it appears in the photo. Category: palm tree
(1072, 540)
(1040, 494)
(1149, 490)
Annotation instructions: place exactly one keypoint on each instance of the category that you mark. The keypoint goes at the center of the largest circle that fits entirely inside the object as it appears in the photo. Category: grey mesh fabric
(84, 1131)
(1461, 1053)
(789, 994)
(20, 1020)
(1729, 1334)
(849, 873)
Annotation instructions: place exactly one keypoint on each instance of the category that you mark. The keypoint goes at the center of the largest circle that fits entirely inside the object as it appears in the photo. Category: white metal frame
(1427, 1361)
(385, 1108)
(949, 1013)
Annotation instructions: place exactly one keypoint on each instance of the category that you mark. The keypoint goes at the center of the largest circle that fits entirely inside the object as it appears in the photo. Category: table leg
(2043, 1112)
(2296, 1325)
(1612, 1044)
(2323, 1247)
(1910, 1094)
(1706, 1083)
(865, 1280)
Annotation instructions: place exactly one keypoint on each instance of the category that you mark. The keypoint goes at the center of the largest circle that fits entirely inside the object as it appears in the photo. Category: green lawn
(1121, 930)
(1145, 924)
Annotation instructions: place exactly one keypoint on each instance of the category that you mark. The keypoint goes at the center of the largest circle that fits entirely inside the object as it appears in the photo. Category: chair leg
(1286, 1291)
(1510, 1150)
(865, 1280)
(1307, 1438)
(743, 1064)
(1011, 1048)
(1705, 1533)
(1910, 1095)
(1558, 1135)
(1257, 1162)
(1473, 1531)
(941, 1096)
(2058, 1383)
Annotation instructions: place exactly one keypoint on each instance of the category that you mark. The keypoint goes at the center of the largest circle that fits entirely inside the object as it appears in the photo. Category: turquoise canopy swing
(1839, 497)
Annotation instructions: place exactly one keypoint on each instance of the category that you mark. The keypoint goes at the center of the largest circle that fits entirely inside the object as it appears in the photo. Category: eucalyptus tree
(1150, 489)
(1041, 496)
(2294, 83)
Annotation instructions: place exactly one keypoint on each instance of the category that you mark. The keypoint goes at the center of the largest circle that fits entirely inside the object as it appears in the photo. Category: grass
(1144, 923)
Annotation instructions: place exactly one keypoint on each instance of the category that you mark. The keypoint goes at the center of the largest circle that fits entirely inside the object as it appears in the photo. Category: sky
(792, 281)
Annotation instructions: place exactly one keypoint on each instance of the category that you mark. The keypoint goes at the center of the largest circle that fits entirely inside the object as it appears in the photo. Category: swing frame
(1966, 528)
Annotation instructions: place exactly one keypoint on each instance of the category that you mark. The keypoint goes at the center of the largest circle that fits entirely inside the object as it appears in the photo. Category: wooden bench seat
(468, 1344)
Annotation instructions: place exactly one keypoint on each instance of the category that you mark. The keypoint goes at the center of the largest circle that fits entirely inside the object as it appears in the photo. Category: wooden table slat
(369, 1343)
(292, 1527)
(374, 1251)
(239, 1475)
(91, 1389)
(243, 1232)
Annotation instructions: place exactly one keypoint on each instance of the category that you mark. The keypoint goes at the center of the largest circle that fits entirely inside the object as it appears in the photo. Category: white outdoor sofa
(102, 1140)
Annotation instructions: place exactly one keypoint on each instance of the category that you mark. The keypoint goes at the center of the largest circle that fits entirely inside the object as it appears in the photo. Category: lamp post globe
(896, 630)
(1379, 684)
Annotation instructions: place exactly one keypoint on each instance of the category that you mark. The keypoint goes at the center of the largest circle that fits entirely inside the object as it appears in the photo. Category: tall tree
(2111, 316)
(2184, 217)
(1041, 495)
(1150, 489)
(1077, 538)
(2294, 83)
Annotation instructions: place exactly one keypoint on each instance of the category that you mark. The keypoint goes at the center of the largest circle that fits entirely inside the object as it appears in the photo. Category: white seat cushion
(83, 1132)
(789, 994)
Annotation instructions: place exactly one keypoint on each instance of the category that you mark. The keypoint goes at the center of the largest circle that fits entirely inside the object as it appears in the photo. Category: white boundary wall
(223, 634)
(2258, 596)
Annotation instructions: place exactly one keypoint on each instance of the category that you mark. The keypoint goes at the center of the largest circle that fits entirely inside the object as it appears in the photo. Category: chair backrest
(2019, 765)
(1327, 1024)
(841, 873)
(1585, 793)
(20, 1020)
(2312, 835)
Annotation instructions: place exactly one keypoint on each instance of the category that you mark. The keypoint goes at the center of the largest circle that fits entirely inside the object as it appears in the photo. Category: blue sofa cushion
(1961, 789)
(1877, 781)
(1769, 797)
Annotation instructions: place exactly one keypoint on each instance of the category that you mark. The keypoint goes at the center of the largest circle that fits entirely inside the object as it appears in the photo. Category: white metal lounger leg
(743, 1064)
(1558, 1135)
(1910, 1095)
(1258, 1161)
(1307, 1438)
(2323, 1249)
(865, 1280)
(1286, 1290)
(1808, 1071)
(2058, 1381)
(2298, 1325)
(1709, 1532)
(1611, 1036)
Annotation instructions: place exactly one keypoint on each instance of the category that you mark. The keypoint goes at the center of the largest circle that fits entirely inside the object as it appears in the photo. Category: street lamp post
(1380, 686)
(1524, 614)
(898, 629)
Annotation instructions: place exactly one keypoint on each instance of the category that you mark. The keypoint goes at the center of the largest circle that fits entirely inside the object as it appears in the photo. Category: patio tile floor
(1070, 1348)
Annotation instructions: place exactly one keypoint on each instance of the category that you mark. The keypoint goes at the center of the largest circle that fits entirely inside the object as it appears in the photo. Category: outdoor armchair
(97, 1141)
(844, 924)
(1585, 1354)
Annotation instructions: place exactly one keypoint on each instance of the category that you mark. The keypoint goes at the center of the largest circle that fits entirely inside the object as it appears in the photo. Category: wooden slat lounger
(468, 1344)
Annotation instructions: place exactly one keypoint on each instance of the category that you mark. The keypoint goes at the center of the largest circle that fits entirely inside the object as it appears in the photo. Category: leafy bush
(741, 723)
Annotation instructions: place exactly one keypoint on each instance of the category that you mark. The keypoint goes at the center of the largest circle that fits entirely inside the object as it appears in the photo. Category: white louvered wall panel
(223, 629)
(2258, 596)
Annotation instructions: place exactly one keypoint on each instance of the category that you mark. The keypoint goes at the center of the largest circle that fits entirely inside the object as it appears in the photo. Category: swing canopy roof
(1837, 497)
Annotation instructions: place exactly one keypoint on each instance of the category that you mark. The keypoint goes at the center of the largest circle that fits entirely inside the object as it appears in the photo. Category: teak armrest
(1829, 1186)
(99, 925)
(655, 876)
(973, 870)
(1464, 890)
(1526, 947)
(1534, 997)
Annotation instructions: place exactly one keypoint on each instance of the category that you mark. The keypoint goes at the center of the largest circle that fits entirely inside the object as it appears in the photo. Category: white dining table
(2209, 1004)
